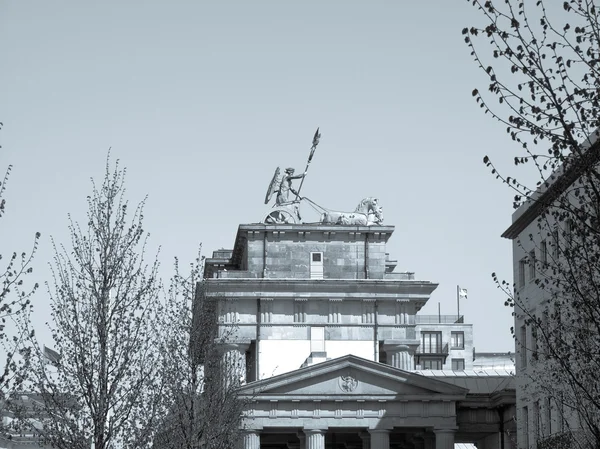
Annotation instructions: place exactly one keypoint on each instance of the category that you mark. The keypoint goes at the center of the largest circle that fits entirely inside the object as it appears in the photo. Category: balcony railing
(432, 350)
(439, 319)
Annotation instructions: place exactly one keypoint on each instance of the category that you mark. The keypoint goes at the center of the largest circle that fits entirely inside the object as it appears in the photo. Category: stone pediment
(354, 376)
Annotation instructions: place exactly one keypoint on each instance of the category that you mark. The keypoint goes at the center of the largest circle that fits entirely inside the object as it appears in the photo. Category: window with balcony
(457, 340)
(458, 364)
(431, 343)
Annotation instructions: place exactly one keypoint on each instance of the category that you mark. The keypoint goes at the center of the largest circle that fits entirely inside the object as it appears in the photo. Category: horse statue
(367, 213)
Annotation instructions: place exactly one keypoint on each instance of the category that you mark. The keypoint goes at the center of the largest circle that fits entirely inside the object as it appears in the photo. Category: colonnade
(371, 439)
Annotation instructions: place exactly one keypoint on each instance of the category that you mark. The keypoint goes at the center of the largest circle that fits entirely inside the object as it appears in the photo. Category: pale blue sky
(202, 100)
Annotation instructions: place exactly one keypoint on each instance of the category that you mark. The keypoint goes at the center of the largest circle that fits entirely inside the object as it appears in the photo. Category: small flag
(314, 145)
(462, 293)
(51, 355)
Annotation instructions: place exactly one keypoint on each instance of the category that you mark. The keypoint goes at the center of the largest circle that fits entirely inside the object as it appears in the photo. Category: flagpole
(315, 142)
(458, 302)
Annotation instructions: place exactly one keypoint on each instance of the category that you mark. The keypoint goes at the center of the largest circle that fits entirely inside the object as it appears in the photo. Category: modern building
(329, 341)
(539, 238)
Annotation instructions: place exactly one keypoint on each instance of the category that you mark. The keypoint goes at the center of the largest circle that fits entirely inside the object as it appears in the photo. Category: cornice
(327, 288)
(554, 187)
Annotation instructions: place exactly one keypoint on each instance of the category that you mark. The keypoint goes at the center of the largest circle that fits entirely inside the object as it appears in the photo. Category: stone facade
(326, 335)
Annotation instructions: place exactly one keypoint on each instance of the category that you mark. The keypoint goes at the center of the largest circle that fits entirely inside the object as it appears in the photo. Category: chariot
(287, 211)
(367, 213)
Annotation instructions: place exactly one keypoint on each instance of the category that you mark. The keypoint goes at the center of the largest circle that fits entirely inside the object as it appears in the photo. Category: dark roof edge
(551, 189)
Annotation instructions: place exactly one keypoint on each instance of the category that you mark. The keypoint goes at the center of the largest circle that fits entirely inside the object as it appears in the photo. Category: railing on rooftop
(439, 319)
(405, 276)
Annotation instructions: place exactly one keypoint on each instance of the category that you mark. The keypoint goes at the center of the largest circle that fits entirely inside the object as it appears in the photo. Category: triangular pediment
(351, 375)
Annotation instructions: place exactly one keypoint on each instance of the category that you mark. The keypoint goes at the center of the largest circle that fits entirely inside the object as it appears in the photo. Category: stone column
(380, 439)
(234, 357)
(399, 356)
(251, 439)
(444, 438)
(315, 439)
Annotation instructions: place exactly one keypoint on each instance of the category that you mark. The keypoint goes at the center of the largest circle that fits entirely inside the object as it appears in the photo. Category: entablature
(375, 289)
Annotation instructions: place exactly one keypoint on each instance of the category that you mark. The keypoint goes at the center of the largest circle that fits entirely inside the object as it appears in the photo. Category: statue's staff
(315, 142)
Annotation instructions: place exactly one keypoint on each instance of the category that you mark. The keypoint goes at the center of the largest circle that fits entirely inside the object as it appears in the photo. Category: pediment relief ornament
(348, 383)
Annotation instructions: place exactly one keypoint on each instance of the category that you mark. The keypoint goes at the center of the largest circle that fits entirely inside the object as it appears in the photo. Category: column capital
(379, 431)
(314, 431)
(380, 438)
(251, 439)
(315, 438)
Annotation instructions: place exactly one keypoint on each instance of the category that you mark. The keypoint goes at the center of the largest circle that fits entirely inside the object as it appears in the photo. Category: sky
(201, 101)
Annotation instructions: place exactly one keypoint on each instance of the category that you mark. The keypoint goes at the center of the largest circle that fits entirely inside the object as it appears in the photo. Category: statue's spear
(315, 142)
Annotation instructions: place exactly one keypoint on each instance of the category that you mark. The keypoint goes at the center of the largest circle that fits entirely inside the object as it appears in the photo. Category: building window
(569, 229)
(458, 340)
(317, 339)
(316, 265)
(431, 343)
(555, 243)
(536, 420)
(544, 253)
(531, 262)
(458, 364)
(560, 408)
(523, 346)
(522, 264)
(431, 364)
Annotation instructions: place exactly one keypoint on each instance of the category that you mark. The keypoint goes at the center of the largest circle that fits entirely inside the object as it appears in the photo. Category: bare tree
(15, 304)
(543, 63)
(201, 408)
(105, 303)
